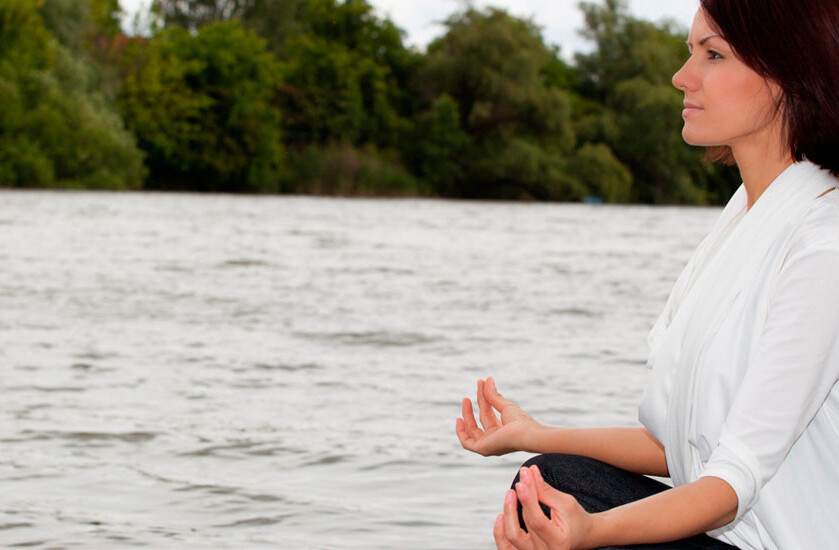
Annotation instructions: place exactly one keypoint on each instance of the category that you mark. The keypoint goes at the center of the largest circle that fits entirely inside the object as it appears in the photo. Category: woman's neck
(760, 164)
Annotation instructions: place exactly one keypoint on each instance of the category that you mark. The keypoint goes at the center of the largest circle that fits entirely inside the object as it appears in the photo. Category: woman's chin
(692, 138)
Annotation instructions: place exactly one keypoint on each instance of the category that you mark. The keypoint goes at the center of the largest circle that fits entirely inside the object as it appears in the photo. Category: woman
(742, 407)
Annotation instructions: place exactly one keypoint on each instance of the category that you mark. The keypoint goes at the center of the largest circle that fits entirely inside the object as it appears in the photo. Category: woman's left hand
(568, 528)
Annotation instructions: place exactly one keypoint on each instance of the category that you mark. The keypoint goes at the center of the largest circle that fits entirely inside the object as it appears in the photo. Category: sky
(560, 20)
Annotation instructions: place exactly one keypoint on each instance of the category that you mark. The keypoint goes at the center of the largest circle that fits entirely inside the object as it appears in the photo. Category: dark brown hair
(794, 43)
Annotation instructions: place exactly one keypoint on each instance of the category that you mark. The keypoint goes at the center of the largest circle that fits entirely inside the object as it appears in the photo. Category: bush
(601, 174)
(338, 169)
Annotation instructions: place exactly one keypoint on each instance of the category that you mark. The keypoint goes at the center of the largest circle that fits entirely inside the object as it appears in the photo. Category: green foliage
(626, 48)
(519, 168)
(649, 122)
(599, 173)
(75, 23)
(200, 107)
(345, 79)
(341, 169)
(346, 76)
(53, 131)
(23, 38)
(518, 124)
(106, 15)
(322, 93)
(437, 147)
(273, 20)
(558, 74)
(322, 96)
(194, 14)
(68, 21)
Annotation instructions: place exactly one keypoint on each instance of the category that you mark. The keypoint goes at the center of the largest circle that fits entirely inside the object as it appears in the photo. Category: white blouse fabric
(745, 362)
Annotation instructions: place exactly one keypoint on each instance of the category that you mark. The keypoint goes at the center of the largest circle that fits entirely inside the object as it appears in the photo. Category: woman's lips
(690, 109)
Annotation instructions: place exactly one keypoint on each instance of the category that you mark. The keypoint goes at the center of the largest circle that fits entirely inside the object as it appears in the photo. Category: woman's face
(726, 102)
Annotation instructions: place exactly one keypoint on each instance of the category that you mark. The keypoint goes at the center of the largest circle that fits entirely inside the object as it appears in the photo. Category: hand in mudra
(494, 437)
(568, 527)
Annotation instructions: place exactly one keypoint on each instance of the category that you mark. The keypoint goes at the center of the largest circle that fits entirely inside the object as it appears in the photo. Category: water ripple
(127, 437)
(371, 338)
(7, 526)
(47, 389)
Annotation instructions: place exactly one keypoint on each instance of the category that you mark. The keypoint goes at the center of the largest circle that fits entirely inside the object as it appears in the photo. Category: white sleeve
(790, 375)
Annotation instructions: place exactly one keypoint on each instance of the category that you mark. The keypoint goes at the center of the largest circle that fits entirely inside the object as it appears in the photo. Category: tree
(599, 173)
(437, 147)
(274, 20)
(53, 130)
(347, 76)
(495, 67)
(75, 23)
(200, 107)
(24, 40)
(626, 48)
(191, 15)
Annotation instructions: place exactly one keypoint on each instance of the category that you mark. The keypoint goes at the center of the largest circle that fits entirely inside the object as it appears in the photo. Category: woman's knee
(559, 470)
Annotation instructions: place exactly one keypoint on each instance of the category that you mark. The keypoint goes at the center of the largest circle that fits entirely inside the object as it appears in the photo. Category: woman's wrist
(599, 528)
(535, 438)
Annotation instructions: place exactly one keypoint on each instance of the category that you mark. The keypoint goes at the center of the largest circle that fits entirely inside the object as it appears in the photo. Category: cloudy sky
(559, 19)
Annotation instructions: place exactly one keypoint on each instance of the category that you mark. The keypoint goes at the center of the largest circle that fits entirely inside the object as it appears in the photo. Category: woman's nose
(683, 80)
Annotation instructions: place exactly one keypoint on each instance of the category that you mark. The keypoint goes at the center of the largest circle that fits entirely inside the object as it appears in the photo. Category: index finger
(547, 528)
(512, 530)
(532, 513)
(488, 418)
(494, 396)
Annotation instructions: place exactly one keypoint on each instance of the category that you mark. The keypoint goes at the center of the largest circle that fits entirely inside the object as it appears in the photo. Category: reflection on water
(260, 372)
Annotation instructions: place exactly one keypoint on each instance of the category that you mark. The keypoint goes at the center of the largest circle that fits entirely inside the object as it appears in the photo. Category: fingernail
(524, 475)
(509, 497)
(521, 489)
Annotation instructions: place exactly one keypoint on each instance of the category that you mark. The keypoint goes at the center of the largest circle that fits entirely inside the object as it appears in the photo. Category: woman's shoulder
(819, 230)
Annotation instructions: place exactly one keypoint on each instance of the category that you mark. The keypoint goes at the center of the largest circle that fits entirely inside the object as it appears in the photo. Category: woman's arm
(705, 504)
(633, 449)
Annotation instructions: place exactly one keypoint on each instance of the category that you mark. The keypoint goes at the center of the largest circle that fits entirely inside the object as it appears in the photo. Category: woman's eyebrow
(702, 42)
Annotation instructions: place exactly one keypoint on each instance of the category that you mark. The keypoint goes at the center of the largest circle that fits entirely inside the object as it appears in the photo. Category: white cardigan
(745, 362)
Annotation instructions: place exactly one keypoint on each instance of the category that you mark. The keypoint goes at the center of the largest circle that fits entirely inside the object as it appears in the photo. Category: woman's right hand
(497, 437)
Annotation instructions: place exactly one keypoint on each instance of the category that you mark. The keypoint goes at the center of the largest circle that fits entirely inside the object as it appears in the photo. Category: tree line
(324, 97)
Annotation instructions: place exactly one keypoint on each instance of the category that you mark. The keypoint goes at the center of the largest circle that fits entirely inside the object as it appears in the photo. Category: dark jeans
(598, 487)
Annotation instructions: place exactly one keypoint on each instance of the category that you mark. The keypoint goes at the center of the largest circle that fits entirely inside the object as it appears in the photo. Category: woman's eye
(713, 55)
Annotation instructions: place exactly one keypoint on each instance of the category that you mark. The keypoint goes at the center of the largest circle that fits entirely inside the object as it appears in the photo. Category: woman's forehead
(702, 31)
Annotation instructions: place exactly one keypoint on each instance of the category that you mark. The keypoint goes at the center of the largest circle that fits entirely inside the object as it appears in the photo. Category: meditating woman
(742, 408)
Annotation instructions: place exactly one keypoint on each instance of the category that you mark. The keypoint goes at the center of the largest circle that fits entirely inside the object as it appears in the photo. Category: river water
(214, 371)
